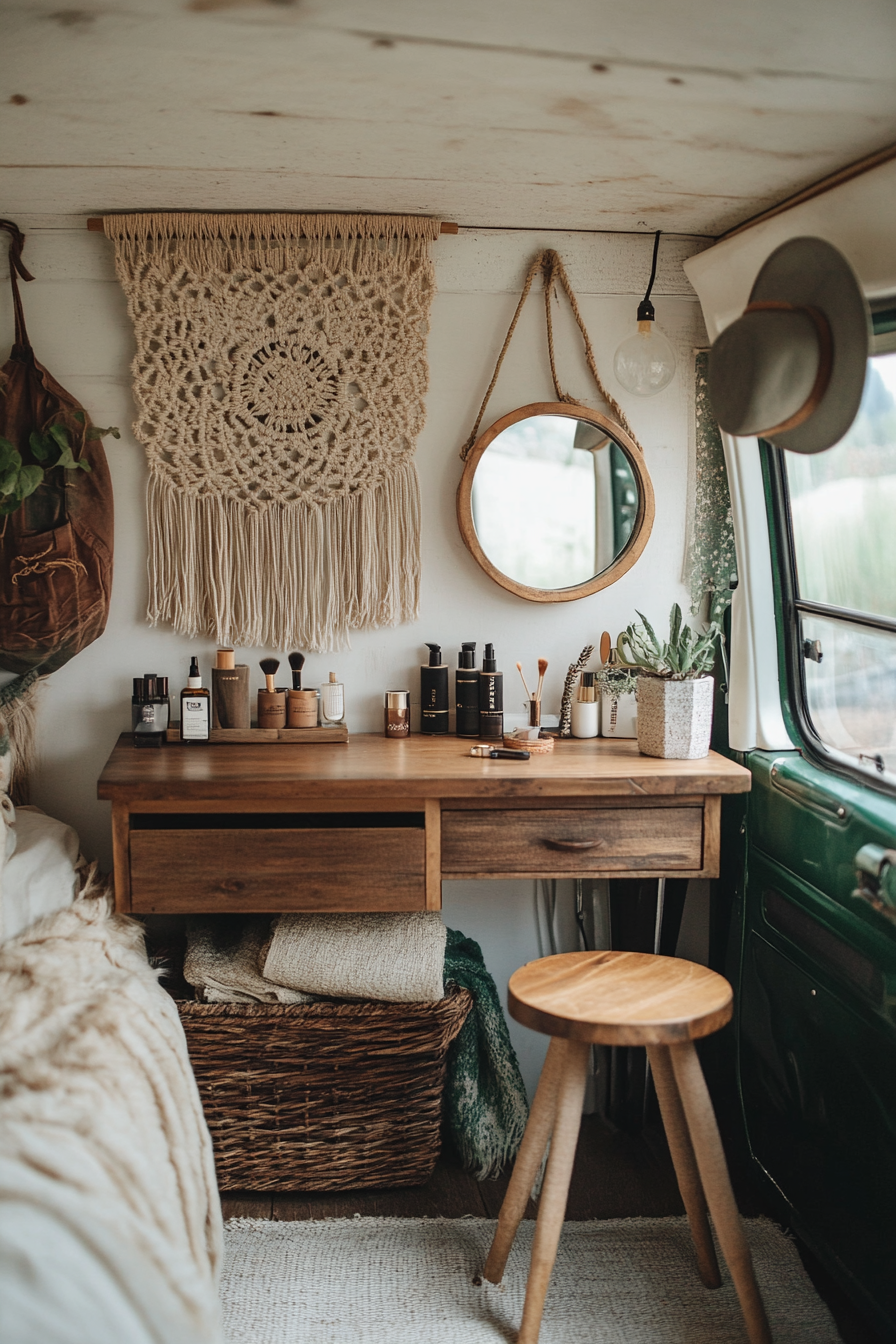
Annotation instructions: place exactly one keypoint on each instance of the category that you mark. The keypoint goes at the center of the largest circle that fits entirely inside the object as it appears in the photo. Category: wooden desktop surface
(370, 767)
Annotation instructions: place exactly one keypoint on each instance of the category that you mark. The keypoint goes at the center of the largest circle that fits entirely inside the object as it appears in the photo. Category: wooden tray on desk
(337, 732)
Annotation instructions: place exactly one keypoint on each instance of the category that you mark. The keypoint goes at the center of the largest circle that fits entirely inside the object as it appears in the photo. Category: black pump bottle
(491, 697)
(466, 686)
(434, 693)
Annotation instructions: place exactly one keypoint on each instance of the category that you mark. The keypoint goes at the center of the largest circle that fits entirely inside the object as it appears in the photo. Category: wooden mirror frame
(641, 530)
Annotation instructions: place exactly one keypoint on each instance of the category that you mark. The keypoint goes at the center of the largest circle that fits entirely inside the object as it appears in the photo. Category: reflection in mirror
(554, 501)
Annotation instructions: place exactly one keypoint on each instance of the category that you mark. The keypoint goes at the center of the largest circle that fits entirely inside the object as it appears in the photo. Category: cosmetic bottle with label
(586, 708)
(150, 710)
(231, 701)
(195, 707)
(491, 696)
(434, 693)
(466, 692)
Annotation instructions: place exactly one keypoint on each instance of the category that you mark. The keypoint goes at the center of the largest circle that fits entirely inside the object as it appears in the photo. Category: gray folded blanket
(221, 962)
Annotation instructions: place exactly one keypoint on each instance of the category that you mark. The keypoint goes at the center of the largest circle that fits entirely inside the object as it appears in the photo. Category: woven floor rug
(410, 1281)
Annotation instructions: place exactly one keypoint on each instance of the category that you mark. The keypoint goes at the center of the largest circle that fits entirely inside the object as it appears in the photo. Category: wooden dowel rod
(95, 225)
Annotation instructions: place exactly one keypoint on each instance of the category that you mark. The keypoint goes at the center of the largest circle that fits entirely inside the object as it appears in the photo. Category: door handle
(876, 878)
(574, 845)
(801, 792)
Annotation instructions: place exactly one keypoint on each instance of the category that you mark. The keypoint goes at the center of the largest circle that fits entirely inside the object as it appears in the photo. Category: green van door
(816, 1016)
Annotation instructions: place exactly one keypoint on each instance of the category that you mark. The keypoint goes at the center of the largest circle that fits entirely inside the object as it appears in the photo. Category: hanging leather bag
(56, 546)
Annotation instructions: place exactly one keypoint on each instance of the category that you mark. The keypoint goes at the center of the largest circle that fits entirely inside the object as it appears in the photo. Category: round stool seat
(619, 998)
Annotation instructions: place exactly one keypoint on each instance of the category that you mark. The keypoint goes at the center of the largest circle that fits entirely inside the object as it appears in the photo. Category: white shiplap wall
(79, 327)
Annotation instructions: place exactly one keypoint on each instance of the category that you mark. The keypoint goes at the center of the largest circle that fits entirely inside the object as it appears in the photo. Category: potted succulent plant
(675, 686)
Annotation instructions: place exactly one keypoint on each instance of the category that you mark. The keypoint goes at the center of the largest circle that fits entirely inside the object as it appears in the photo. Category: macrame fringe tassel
(289, 577)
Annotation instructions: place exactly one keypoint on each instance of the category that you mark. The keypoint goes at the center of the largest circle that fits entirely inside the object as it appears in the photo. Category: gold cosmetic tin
(397, 714)
(301, 709)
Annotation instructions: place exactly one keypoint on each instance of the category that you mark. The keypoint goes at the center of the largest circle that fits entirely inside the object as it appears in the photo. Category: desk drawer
(580, 841)
(328, 869)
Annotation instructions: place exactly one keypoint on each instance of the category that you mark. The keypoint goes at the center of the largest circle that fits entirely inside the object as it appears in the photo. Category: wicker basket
(323, 1096)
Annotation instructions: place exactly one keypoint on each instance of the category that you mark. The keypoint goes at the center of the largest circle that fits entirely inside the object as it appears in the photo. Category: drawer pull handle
(573, 844)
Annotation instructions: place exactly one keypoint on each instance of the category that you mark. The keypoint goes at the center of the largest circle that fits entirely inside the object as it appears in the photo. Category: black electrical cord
(580, 914)
(646, 311)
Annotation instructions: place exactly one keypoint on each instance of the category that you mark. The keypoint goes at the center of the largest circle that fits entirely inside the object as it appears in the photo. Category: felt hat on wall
(792, 367)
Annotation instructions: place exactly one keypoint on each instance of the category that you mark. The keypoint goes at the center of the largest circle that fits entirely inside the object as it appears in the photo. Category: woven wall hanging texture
(710, 558)
(280, 379)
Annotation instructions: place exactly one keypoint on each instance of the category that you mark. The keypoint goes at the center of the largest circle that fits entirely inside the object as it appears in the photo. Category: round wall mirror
(555, 502)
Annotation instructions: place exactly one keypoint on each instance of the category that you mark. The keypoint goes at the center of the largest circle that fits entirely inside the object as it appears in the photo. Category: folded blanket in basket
(396, 958)
(409, 959)
(222, 962)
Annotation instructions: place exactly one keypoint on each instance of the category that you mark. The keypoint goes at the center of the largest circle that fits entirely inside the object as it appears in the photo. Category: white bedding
(110, 1221)
(40, 875)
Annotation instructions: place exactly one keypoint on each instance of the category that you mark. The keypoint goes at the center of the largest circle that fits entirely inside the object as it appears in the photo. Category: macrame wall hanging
(280, 378)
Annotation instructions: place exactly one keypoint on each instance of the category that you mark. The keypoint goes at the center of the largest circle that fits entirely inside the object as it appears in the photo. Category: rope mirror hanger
(555, 501)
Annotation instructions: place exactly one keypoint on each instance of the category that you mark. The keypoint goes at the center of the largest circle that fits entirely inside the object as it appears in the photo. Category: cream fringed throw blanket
(280, 378)
(110, 1222)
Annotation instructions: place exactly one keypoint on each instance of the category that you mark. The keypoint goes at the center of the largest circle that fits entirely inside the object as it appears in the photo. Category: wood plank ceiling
(685, 115)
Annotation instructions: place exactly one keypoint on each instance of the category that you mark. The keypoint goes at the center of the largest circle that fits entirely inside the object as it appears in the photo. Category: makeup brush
(542, 668)
(519, 668)
(269, 668)
(297, 662)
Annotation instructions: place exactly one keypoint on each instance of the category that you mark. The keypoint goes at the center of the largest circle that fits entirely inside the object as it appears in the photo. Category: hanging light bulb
(645, 361)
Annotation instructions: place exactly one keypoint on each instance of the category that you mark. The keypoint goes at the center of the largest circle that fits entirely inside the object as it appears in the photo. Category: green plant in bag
(682, 657)
(49, 449)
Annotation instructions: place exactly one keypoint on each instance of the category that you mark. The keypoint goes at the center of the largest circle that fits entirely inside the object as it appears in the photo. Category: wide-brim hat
(792, 367)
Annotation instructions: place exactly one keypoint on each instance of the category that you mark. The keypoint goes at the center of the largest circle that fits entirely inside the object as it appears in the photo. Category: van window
(843, 529)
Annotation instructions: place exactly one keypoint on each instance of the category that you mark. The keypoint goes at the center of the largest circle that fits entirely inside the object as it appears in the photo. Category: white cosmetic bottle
(585, 720)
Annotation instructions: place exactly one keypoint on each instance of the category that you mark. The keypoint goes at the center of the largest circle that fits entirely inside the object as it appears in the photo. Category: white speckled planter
(675, 717)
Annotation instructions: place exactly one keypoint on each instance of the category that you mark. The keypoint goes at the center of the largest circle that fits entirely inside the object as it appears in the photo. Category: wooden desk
(377, 825)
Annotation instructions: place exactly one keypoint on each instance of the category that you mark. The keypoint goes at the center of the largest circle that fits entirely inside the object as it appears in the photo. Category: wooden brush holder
(272, 709)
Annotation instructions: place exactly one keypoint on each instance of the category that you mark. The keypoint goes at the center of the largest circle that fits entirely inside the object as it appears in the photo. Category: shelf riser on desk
(337, 732)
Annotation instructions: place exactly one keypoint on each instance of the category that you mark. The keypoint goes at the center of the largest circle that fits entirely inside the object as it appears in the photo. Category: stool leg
(713, 1170)
(528, 1160)
(552, 1205)
(685, 1163)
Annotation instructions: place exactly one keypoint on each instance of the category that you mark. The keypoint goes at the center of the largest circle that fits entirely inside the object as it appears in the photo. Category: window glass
(851, 693)
(843, 517)
(843, 506)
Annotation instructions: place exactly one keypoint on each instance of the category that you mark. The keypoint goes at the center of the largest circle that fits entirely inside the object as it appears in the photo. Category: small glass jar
(332, 701)
(397, 714)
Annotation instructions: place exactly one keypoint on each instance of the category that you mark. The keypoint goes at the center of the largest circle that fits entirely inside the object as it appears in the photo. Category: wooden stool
(581, 999)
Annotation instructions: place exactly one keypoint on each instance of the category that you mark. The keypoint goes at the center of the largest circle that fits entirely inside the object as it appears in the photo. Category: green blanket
(485, 1098)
